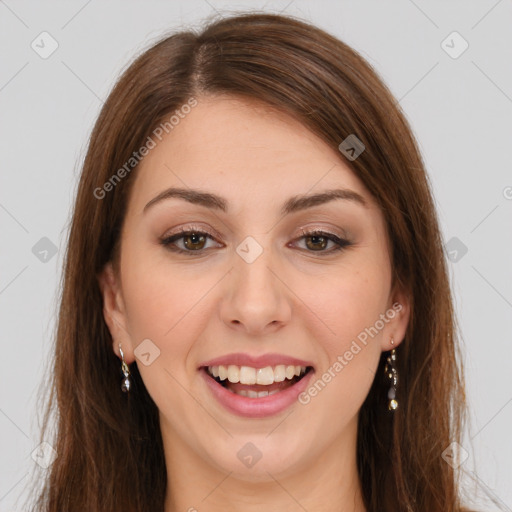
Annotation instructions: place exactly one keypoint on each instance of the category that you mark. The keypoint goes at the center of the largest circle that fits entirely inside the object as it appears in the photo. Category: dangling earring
(125, 385)
(392, 375)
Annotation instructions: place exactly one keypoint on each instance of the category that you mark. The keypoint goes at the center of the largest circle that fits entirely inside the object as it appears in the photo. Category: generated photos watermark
(343, 360)
(158, 133)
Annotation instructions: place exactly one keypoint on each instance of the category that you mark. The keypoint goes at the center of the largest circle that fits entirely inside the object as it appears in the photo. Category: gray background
(459, 108)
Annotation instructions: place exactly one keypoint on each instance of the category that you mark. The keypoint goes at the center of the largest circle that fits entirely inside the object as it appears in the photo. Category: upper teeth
(249, 375)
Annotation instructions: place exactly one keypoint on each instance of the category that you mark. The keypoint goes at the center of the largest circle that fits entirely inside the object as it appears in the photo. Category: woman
(256, 312)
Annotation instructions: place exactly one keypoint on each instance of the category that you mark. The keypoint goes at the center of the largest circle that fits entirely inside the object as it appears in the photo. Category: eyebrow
(292, 205)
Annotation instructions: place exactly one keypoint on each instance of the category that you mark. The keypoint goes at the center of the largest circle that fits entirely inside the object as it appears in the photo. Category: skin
(293, 299)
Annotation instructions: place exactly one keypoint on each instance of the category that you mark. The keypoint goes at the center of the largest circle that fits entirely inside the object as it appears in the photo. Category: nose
(256, 299)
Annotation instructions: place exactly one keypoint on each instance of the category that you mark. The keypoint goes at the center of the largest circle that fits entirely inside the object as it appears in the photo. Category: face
(252, 275)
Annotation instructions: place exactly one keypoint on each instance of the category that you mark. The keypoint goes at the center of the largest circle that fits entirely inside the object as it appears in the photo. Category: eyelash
(341, 243)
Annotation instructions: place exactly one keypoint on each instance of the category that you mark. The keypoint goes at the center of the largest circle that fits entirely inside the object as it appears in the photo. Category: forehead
(242, 148)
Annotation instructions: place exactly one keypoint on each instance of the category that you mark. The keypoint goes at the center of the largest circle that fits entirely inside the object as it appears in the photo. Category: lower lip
(256, 407)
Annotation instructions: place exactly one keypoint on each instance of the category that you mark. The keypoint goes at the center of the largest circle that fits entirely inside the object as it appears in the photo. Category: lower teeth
(249, 393)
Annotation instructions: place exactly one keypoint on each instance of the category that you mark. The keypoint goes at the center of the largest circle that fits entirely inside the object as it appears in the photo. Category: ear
(398, 313)
(114, 312)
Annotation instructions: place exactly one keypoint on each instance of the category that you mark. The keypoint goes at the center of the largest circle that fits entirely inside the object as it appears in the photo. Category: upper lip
(262, 361)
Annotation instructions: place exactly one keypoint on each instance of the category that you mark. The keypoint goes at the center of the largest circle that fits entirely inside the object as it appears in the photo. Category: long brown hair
(109, 446)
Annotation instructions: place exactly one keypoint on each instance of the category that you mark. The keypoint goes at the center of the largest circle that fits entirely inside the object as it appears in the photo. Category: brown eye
(194, 241)
(316, 242)
(188, 242)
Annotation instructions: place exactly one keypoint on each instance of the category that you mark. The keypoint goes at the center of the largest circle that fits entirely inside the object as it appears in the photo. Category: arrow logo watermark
(351, 147)
(147, 352)
(249, 249)
(249, 455)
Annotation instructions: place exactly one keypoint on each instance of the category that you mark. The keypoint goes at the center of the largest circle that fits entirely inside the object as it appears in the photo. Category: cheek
(351, 305)
(169, 308)
(159, 298)
(349, 301)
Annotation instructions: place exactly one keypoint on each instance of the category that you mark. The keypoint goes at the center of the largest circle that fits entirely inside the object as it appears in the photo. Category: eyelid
(328, 230)
(303, 230)
(341, 242)
(191, 227)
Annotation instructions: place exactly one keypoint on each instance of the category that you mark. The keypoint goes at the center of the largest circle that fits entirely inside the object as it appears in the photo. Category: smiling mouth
(257, 382)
